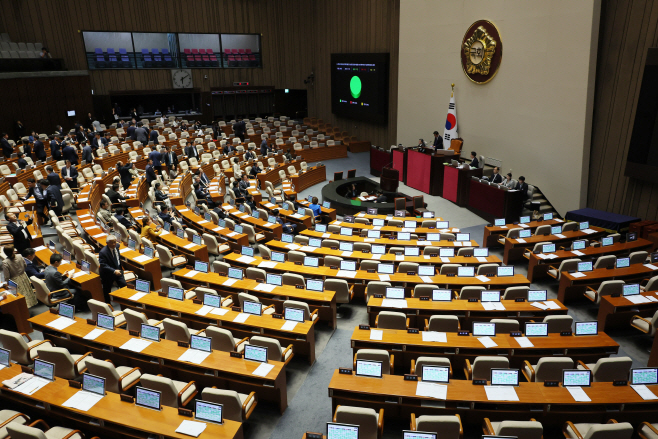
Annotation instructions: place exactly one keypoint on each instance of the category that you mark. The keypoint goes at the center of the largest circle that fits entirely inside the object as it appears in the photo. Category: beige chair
(650, 285)
(293, 279)
(167, 283)
(235, 406)
(169, 260)
(371, 423)
(470, 293)
(611, 430)
(45, 296)
(22, 352)
(645, 430)
(296, 256)
(608, 369)
(274, 350)
(605, 261)
(446, 426)
(570, 227)
(519, 429)
(505, 325)
(481, 368)
(223, 340)
(376, 287)
(424, 290)
(68, 366)
(200, 292)
(178, 331)
(418, 363)
(442, 323)
(558, 323)
(173, 393)
(566, 265)
(648, 326)
(546, 369)
(117, 379)
(606, 288)
(344, 292)
(21, 431)
(391, 320)
(406, 267)
(135, 319)
(96, 307)
(638, 257)
(214, 247)
(376, 355)
(487, 270)
(512, 293)
(10, 417)
(308, 315)
(511, 234)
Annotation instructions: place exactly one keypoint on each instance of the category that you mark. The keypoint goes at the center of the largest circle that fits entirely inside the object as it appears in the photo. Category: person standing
(53, 177)
(70, 175)
(438, 141)
(18, 231)
(157, 158)
(54, 198)
(150, 172)
(39, 150)
(87, 155)
(111, 270)
(69, 153)
(170, 159)
(7, 150)
(124, 174)
(141, 134)
(13, 267)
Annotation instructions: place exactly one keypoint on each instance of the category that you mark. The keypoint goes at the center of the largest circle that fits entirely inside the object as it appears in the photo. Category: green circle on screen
(355, 87)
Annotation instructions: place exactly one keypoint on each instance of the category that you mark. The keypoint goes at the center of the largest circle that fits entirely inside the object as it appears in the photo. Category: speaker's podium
(457, 183)
(389, 180)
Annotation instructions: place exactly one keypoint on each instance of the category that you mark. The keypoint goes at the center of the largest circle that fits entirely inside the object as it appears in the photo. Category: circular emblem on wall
(481, 52)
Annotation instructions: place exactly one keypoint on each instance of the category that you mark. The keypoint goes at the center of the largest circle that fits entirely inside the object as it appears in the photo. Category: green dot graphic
(355, 87)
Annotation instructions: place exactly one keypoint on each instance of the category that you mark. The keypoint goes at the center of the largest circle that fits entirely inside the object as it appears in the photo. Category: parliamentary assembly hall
(329, 219)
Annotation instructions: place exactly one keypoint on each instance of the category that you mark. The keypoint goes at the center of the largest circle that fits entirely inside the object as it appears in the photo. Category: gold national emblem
(481, 52)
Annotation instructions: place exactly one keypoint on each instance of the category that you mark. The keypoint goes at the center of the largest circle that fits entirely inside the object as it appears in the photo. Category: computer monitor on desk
(342, 431)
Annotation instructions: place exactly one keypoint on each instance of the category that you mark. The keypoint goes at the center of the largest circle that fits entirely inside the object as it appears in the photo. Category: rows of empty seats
(156, 58)
(200, 58)
(111, 58)
(10, 50)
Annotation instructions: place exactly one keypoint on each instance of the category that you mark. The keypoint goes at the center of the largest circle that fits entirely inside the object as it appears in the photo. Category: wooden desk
(492, 202)
(219, 369)
(468, 312)
(391, 230)
(572, 288)
(407, 347)
(109, 417)
(390, 242)
(303, 222)
(617, 312)
(548, 405)
(331, 213)
(387, 218)
(302, 337)
(324, 302)
(538, 267)
(514, 249)
(273, 174)
(270, 229)
(492, 233)
(311, 177)
(16, 307)
(457, 183)
(313, 155)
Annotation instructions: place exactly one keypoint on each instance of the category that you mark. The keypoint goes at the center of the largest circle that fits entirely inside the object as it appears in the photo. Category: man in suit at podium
(496, 177)
(523, 187)
(438, 141)
(474, 159)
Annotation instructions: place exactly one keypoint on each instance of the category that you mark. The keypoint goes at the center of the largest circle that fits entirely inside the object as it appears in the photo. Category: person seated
(249, 201)
(164, 215)
(118, 214)
(150, 230)
(115, 196)
(287, 227)
(21, 162)
(474, 160)
(239, 194)
(496, 177)
(421, 145)
(255, 170)
(249, 155)
(381, 198)
(352, 192)
(508, 183)
(104, 212)
(316, 208)
(160, 197)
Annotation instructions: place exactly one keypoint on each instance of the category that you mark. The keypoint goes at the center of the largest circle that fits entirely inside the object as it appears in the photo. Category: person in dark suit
(21, 162)
(203, 178)
(89, 121)
(59, 130)
(7, 150)
(352, 192)
(244, 184)
(111, 270)
(118, 214)
(17, 229)
(164, 214)
(80, 134)
(230, 148)
(239, 129)
(170, 159)
(55, 147)
(153, 136)
(141, 134)
(87, 154)
(160, 197)
(54, 199)
(255, 170)
(130, 132)
(474, 159)
(496, 177)
(31, 267)
(288, 155)
(522, 186)
(69, 153)
(124, 174)
(438, 141)
(53, 177)
(202, 196)
(115, 196)
(39, 150)
(150, 172)
(381, 198)
(156, 157)
(263, 148)
(39, 195)
(249, 155)
(57, 281)
(191, 151)
(70, 175)
(98, 142)
(27, 150)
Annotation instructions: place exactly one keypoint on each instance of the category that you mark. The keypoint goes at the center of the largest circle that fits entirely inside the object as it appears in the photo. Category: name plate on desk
(620, 383)
(366, 251)
(472, 299)
(566, 333)
(53, 311)
(277, 316)
(516, 334)
(162, 294)
(127, 398)
(479, 382)
(370, 270)
(183, 344)
(463, 333)
(551, 383)
(519, 299)
(310, 435)
(185, 412)
(412, 331)
(298, 263)
(344, 371)
(378, 296)
(133, 333)
(424, 298)
(434, 255)
(410, 377)
(411, 273)
(453, 275)
(364, 327)
(197, 301)
(75, 384)
(91, 322)
(236, 354)
(299, 287)
(236, 308)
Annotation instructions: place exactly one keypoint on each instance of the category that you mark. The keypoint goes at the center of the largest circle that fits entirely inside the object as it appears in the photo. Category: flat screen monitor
(176, 293)
(200, 343)
(607, 241)
(579, 245)
(631, 289)
(326, 204)
(584, 225)
(301, 211)
(587, 328)
(67, 256)
(428, 214)
(548, 216)
(66, 310)
(480, 252)
(556, 230)
(274, 279)
(441, 295)
(410, 224)
(315, 285)
(644, 375)
(347, 231)
(465, 271)
(623, 262)
(242, 208)
(207, 217)
(411, 251)
(310, 261)
(504, 377)
(105, 321)
(404, 236)
(70, 113)
(149, 332)
(378, 249)
(369, 368)
(499, 222)
(409, 434)
(315, 242)
(254, 308)
(536, 329)
(180, 233)
(201, 266)
(287, 238)
(442, 224)
(208, 412)
(463, 237)
(272, 220)
(44, 369)
(490, 296)
(371, 233)
(426, 270)
(585, 266)
(394, 293)
(213, 300)
(447, 252)
(654, 257)
(143, 286)
(294, 314)
(548, 248)
(348, 265)
(86, 266)
(378, 222)
(196, 239)
(247, 251)
(346, 246)
(148, 252)
(342, 431)
(484, 329)
(576, 378)
(278, 257)
(400, 213)
(221, 223)
(132, 244)
(322, 228)
(148, 398)
(386, 268)
(94, 384)
(505, 271)
(235, 273)
(537, 295)
(436, 374)
(525, 233)
(524, 220)
(371, 211)
(167, 226)
(5, 356)
(255, 353)
(255, 214)
(434, 237)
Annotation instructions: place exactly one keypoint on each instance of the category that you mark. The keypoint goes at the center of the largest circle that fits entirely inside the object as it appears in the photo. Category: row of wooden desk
(391, 242)
(516, 247)
(310, 177)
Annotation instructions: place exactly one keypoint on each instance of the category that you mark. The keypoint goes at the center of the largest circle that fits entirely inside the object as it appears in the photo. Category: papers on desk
(194, 356)
(190, 245)
(551, 305)
(326, 235)
(269, 205)
(378, 228)
(87, 221)
(399, 257)
(246, 259)
(184, 210)
(31, 386)
(191, 428)
(202, 222)
(100, 235)
(368, 239)
(135, 345)
(481, 259)
(376, 334)
(578, 394)
(577, 252)
(337, 223)
(82, 200)
(638, 299)
(651, 266)
(493, 306)
(487, 342)
(424, 243)
(229, 282)
(346, 253)
(125, 249)
(578, 274)
(268, 288)
(83, 400)
(268, 225)
(307, 248)
(16, 381)
(549, 256)
(217, 229)
(384, 277)
(652, 299)
(61, 323)
(137, 296)
(588, 231)
(78, 274)
(501, 393)
(263, 370)
(267, 264)
(94, 334)
(296, 215)
(232, 234)
(191, 273)
(525, 226)
(378, 256)
(524, 342)
(445, 260)
(520, 240)
(345, 273)
(394, 303)
(289, 325)
(141, 258)
(426, 279)
(205, 309)
(482, 278)
(409, 229)
(460, 243)
(644, 391)
(503, 227)
(440, 337)
(292, 246)
(241, 318)
(219, 311)
(559, 235)
(432, 390)
(38, 249)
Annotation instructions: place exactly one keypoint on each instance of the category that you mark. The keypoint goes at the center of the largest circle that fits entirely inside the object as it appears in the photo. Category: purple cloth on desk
(600, 218)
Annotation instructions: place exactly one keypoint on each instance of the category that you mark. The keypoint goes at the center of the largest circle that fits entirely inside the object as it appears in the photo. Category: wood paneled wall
(628, 28)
